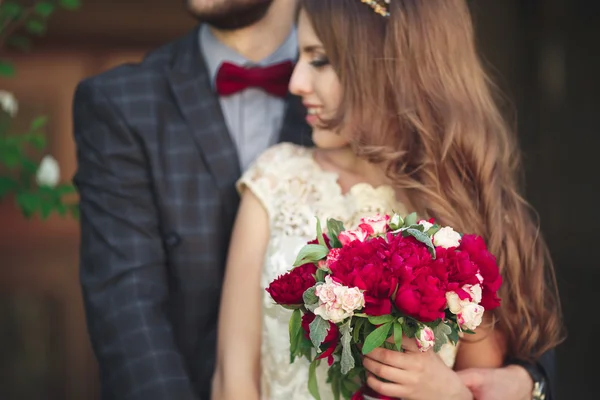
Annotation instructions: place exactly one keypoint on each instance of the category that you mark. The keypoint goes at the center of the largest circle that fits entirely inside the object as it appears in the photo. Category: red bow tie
(273, 79)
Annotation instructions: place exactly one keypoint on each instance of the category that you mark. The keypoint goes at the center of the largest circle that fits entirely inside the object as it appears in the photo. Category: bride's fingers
(384, 371)
(386, 389)
(392, 358)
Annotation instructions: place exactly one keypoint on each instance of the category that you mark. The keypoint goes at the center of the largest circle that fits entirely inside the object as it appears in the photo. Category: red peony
(288, 289)
(477, 250)
(364, 265)
(425, 297)
(459, 269)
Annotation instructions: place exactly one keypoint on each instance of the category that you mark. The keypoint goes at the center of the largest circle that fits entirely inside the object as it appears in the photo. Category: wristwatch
(538, 378)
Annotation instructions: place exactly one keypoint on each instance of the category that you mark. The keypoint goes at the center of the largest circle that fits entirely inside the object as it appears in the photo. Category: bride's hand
(413, 374)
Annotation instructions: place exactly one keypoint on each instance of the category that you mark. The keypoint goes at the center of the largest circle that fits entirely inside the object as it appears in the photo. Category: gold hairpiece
(378, 7)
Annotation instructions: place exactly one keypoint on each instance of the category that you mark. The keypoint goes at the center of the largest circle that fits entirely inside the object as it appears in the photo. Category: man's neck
(263, 38)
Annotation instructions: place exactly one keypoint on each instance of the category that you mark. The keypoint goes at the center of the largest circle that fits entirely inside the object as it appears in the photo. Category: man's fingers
(472, 378)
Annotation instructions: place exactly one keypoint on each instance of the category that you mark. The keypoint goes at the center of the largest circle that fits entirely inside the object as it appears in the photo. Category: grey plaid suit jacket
(156, 174)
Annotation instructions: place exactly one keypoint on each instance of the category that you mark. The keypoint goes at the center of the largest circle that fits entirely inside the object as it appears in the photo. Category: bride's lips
(312, 114)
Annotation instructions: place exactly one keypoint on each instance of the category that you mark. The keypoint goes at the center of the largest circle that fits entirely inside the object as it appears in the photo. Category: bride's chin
(326, 139)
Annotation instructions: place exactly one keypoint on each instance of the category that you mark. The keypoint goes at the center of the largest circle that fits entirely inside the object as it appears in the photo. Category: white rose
(425, 224)
(425, 338)
(48, 173)
(471, 316)
(351, 299)
(346, 237)
(454, 302)
(395, 221)
(474, 291)
(446, 238)
(332, 312)
(9, 103)
(378, 222)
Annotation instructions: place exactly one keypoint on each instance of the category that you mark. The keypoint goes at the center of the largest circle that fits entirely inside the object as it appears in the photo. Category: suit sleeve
(547, 365)
(122, 260)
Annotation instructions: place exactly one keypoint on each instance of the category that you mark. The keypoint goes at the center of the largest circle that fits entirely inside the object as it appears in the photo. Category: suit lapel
(190, 83)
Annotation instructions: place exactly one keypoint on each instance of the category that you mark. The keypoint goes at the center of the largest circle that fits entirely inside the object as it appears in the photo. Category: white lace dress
(295, 190)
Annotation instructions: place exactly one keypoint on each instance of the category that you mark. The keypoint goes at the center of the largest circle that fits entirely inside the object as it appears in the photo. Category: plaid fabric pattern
(156, 174)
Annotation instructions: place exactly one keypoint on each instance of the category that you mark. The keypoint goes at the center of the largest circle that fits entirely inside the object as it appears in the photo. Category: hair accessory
(379, 6)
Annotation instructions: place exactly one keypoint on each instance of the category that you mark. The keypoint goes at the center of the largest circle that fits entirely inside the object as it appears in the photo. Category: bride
(403, 120)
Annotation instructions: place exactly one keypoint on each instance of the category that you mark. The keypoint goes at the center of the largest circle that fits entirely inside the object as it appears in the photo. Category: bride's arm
(484, 349)
(237, 374)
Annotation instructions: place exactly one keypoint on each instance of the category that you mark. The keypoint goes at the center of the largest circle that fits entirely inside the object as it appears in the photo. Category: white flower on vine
(48, 173)
(9, 103)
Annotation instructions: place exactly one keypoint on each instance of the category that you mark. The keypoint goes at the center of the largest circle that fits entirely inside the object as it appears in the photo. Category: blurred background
(541, 53)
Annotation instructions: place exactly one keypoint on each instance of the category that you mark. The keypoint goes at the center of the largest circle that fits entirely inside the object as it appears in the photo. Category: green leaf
(376, 338)
(74, 210)
(320, 275)
(318, 331)
(410, 219)
(10, 9)
(441, 332)
(65, 189)
(7, 184)
(433, 230)
(398, 335)
(38, 123)
(44, 8)
(29, 203)
(311, 253)
(309, 296)
(19, 42)
(295, 328)
(61, 209)
(334, 228)
(453, 337)
(421, 237)
(320, 234)
(6, 69)
(46, 209)
(35, 27)
(381, 319)
(409, 327)
(347, 360)
(11, 156)
(70, 4)
(313, 386)
(357, 327)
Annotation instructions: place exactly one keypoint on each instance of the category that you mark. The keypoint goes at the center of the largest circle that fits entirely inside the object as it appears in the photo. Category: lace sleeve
(263, 175)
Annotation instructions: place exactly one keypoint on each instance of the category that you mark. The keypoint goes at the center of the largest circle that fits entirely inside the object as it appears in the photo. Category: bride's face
(317, 83)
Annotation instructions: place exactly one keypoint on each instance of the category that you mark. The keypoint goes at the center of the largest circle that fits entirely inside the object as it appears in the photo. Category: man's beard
(234, 14)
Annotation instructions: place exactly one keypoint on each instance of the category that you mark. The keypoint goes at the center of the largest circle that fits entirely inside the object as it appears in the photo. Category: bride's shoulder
(284, 153)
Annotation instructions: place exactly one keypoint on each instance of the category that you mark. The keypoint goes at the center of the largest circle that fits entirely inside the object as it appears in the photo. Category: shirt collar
(216, 53)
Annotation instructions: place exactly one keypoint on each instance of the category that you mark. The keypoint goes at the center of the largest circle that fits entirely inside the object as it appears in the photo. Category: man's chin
(235, 17)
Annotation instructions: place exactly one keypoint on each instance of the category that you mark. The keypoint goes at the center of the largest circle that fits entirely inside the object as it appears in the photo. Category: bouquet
(352, 290)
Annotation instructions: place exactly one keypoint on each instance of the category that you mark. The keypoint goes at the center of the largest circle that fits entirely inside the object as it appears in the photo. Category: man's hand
(508, 383)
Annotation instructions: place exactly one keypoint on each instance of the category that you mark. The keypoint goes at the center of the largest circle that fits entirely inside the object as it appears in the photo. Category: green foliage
(20, 152)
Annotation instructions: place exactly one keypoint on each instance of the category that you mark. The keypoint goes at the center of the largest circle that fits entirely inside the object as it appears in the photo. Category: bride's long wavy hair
(417, 99)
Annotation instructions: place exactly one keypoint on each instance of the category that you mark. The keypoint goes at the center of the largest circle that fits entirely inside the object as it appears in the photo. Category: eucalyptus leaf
(376, 338)
(433, 230)
(309, 297)
(318, 331)
(421, 237)
(441, 332)
(347, 361)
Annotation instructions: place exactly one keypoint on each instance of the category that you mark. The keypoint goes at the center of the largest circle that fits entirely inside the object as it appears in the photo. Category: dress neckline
(335, 178)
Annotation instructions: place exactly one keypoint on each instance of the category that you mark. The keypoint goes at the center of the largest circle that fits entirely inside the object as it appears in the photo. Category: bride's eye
(319, 62)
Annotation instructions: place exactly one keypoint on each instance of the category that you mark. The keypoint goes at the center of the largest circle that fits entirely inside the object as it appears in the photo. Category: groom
(160, 146)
